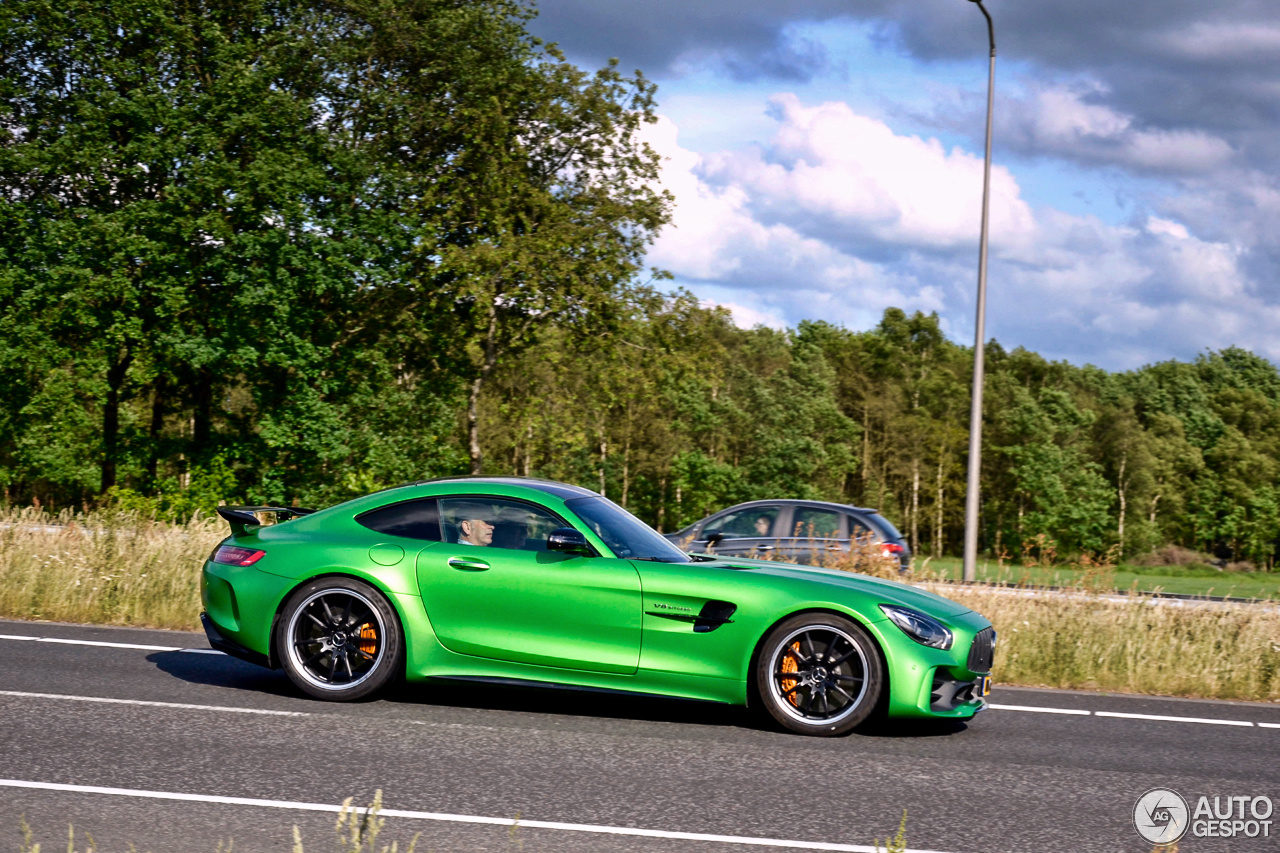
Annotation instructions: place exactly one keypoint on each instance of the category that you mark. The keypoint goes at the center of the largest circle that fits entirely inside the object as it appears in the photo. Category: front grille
(983, 650)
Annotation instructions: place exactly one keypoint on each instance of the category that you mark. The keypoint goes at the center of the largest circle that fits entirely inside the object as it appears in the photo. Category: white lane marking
(21, 695)
(453, 818)
(1164, 719)
(1039, 710)
(1030, 708)
(109, 645)
(1157, 717)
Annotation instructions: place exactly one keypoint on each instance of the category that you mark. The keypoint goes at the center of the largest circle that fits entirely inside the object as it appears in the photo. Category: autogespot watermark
(1162, 816)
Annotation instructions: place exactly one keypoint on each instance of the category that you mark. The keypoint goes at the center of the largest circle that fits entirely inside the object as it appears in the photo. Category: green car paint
(600, 621)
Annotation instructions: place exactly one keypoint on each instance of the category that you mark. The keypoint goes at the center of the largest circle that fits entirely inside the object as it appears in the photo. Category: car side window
(496, 523)
(810, 523)
(859, 530)
(754, 521)
(418, 519)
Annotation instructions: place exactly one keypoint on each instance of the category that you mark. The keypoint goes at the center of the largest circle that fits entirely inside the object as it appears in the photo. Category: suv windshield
(627, 536)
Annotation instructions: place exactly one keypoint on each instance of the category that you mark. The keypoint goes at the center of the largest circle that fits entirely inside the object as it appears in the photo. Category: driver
(474, 527)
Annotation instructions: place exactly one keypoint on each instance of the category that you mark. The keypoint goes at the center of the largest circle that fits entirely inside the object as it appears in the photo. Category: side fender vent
(713, 615)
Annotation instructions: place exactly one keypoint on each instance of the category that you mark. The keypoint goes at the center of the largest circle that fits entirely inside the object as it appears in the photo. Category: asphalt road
(591, 765)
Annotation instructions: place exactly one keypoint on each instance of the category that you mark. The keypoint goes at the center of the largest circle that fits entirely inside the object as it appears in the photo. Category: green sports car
(518, 580)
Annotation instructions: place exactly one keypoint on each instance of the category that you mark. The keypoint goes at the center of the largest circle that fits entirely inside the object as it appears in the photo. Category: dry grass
(1211, 651)
(103, 568)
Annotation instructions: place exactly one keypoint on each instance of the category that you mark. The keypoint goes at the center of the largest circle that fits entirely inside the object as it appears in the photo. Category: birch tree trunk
(915, 505)
(937, 513)
(1124, 458)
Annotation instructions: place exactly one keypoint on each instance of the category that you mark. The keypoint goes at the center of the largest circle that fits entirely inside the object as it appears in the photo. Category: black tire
(838, 676)
(339, 639)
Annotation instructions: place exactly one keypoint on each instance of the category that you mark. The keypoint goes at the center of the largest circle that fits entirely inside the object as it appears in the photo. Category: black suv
(802, 531)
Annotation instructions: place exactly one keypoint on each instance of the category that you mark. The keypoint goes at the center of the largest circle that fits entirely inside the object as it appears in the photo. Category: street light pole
(979, 336)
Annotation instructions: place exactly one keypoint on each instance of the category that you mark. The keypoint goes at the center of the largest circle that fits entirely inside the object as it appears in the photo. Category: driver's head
(473, 523)
(762, 525)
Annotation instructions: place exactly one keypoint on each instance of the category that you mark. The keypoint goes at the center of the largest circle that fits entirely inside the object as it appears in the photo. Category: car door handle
(468, 564)
(765, 548)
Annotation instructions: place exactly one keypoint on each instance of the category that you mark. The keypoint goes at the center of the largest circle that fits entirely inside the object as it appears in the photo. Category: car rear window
(886, 527)
(418, 519)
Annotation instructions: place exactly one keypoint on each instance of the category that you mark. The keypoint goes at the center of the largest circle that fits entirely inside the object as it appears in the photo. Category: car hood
(887, 591)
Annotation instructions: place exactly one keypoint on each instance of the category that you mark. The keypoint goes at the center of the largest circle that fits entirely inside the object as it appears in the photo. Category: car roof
(800, 502)
(551, 487)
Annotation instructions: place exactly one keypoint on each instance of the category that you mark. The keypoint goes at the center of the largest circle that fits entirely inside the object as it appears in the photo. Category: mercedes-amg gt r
(514, 579)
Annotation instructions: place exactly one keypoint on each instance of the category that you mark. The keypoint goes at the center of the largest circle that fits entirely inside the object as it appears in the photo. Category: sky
(826, 161)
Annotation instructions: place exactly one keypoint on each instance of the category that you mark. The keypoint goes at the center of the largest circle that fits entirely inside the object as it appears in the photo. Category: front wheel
(339, 639)
(819, 674)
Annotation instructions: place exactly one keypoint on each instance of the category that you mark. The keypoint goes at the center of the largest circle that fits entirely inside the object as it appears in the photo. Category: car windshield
(627, 536)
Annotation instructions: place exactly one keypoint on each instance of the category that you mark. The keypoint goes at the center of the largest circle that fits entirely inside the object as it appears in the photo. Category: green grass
(1189, 580)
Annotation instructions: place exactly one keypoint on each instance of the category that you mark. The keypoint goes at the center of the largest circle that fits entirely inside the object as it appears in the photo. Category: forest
(275, 251)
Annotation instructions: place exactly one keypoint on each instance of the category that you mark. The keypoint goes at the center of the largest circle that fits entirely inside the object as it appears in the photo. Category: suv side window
(745, 523)
(862, 530)
(810, 523)
(418, 519)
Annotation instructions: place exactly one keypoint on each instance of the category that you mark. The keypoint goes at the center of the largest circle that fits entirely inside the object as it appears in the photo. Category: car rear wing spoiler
(241, 517)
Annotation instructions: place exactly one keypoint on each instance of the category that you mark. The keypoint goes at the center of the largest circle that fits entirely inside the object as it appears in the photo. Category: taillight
(234, 555)
(889, 549)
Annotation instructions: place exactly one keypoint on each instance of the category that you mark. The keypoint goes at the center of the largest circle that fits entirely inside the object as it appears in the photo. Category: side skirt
(551, 685)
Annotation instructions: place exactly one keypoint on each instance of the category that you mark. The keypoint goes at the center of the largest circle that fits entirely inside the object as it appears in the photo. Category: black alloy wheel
(339, 639)
(819, 674)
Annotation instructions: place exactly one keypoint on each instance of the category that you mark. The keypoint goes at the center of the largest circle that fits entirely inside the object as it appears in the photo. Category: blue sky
(826, 162)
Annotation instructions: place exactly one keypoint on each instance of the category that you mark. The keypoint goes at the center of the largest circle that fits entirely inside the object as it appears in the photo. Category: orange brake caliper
(790, 664)
(368, 639)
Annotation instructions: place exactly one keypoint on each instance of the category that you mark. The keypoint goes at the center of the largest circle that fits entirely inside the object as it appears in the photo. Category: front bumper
(933, 683)
(948, 693)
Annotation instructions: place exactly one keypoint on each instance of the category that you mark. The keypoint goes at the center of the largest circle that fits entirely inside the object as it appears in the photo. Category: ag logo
(1161, 816)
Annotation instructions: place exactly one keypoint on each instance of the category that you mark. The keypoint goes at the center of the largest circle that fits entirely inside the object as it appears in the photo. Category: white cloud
(839, 217)
(746, 317)
(1060, 120)
(1229, 41)
(855, 172)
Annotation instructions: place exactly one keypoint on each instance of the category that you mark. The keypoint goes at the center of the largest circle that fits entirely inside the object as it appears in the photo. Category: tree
(168, 181)
(537, 203)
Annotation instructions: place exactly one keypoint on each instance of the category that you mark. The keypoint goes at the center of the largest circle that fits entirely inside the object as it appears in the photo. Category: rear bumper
(222, 644)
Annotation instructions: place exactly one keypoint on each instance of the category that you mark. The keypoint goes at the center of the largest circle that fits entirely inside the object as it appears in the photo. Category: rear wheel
(819, 674)
(339, 639)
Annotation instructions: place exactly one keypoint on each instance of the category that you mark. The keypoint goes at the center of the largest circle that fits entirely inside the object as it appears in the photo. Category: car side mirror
(568, 541)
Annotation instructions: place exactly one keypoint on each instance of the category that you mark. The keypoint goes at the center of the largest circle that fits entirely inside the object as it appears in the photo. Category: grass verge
(1186, 580)
(1216, 651)
(103, 568)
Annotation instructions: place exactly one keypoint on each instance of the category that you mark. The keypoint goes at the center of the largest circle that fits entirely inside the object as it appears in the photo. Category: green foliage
(173, 500)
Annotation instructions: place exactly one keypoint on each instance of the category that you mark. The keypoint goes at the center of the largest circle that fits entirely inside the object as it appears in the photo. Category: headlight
(925, 630)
